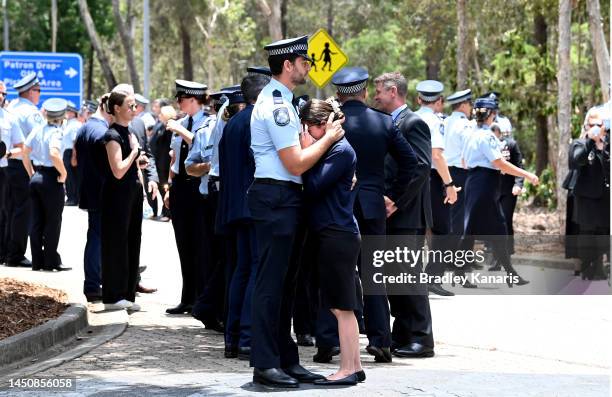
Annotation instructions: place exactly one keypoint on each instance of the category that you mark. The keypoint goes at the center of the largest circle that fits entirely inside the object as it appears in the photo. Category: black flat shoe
(360, 376)
(303, 375)
(350, 380)
(244, 353)
(381, 354)
(304, 340)
(325, 354)
(414, 350)
(231, 351)
(181, 308)
(439, 290)
(274, 377)
(22, 263)
(58, 268)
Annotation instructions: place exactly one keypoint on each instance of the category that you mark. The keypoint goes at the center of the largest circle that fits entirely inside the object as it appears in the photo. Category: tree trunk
(127, 42)
(53, 25)
(273, 13)
(541, 39)
(97, 44)
(330, 18)
(90, 74)
(187, 62)
(283, 13)
(462, 45)
(600, 48)
(564, 82)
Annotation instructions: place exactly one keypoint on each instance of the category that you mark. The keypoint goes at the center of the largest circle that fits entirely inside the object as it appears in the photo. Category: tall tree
(125, 32)
(600, 48)
(272, 10)
(462, 45)
(540, 33)
(107, 71)
(211, 23)
(564, 102)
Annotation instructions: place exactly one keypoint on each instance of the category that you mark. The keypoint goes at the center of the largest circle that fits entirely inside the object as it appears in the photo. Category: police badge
(281, 116)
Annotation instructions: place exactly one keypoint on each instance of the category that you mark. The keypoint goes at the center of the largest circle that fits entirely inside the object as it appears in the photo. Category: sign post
(60, 74)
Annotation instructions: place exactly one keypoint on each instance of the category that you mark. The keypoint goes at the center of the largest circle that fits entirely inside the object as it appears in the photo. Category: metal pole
(145, 45)
(6, 25)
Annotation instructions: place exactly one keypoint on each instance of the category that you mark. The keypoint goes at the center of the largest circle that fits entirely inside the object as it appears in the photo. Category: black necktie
(184, 149)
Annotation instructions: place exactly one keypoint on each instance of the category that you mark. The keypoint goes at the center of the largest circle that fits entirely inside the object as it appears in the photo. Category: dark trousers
(72, 187)
(92, 255)
(184, 199)
(457, 210)
(152, 201)
(209, 301)
(238, 324)
(306, 294)
(4, 224)
(411, 312)
(47, 200)
(441, 222)
(275, 211)
(18, 210)
(121, 229)
(508, 204)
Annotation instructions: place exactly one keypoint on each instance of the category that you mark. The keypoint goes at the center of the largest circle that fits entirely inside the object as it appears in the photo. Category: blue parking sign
(60, 74)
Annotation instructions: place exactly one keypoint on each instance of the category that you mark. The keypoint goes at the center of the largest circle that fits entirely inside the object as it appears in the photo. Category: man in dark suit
(412, 329)
(372, 135)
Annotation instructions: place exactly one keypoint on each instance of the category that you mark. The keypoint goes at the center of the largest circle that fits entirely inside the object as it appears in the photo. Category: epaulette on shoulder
(278, 97)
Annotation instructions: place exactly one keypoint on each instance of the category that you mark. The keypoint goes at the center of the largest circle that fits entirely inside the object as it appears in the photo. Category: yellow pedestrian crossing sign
(327, 58)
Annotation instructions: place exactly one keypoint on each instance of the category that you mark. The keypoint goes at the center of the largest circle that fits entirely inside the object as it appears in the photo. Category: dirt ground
(536, 229)
(27, 305)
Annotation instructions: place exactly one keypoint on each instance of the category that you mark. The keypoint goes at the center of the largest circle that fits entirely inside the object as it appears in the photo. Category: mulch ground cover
(26, 305)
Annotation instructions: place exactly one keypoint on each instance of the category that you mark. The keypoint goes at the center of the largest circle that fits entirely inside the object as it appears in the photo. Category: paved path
(485, 345)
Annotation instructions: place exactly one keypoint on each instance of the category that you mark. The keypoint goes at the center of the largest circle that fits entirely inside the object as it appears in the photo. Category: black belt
(182, 178)
(213, 178)
(270, 181)
(42, 168)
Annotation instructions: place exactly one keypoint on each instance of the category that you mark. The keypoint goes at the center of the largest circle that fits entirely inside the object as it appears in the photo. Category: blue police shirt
(457, 130)
(41, 140)
(436, 127)
(175, 144)
(217, 134)
(482, 148)
(275, 125)
(28, 116)
(201, 150)
(70, 131)
(9, 128)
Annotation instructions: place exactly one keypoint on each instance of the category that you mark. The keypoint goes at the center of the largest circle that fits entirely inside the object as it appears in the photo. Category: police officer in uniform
(44, 146)
(412, 332)
(372, 135)
(483, 214)
(70, 129)
(443, 188)
(184, 195)
(28, 117)
(259, 70)
(503, 121)
(275, 201)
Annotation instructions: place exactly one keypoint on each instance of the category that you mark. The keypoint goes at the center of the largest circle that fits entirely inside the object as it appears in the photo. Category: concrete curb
(38, 339)
(546, 262)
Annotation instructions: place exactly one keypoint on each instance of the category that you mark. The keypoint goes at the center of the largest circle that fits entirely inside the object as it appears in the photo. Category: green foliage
(543, 195)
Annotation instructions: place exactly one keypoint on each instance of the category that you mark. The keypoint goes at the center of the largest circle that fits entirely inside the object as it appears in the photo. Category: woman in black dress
(122, 198)
(328, 191)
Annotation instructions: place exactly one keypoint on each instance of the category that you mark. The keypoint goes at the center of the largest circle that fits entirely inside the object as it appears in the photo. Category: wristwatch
(451, 183)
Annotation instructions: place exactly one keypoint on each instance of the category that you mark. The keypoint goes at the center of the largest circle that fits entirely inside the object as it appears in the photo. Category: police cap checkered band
(184, 87)
(294, 49)
(352, 89)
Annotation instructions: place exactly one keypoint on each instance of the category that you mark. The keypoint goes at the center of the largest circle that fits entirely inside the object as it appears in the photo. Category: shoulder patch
(281, 116)
(38, 117)
(278, 97)
(442, 129)
(493, 142)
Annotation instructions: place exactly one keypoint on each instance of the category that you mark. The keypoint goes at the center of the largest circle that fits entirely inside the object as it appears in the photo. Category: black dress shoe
(244, 353)
(438, 290)
(304, 340)
(181, 308)
(302, 374)
(381, 354)
(58, 268)
(325, 354)
(22, 263)
(350, 380)
(274, 377)
(360, 375)
(414, 350)
(231, 351)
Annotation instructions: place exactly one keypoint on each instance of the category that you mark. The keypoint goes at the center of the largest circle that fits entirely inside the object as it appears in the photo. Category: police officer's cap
(485, 103)
(185, 87)
(429, 90)
(494, 95)
(27, 82)
(351, 80)
(55, 107)
(231, 88)
(235, 97)
(71, 107)
(262, 70)
(141, 99)
(298, 46)
(459, 96)
(91, 105)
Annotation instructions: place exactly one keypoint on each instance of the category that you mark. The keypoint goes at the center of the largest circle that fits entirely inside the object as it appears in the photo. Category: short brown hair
(317, 111)
(393, 79)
